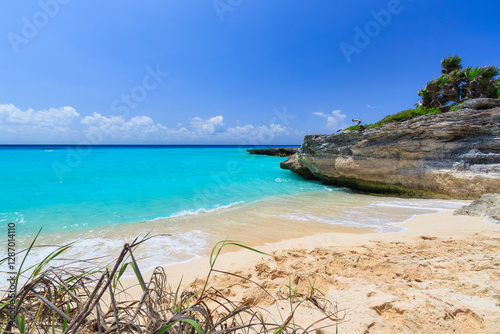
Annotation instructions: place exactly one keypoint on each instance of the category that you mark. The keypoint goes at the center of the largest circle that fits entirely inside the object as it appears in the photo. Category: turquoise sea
(71, 188)
(193, 196)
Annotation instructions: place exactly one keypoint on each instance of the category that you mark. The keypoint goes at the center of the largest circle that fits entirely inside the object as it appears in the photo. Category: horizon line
(145, 145)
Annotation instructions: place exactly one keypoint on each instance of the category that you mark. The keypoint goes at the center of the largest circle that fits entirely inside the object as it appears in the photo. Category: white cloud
(372, 107)
(65, 125)
(257, 134)
(37, 123)
(333, 122)
(116, 127)
(62, 116)
(10, 115)
(319, 113)
(209, 125)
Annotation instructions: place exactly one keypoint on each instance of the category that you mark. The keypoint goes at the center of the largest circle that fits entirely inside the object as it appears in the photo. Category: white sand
(441, 275)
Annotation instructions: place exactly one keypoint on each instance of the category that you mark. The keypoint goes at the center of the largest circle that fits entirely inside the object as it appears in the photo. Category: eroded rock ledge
(450, 155)
(275, 151)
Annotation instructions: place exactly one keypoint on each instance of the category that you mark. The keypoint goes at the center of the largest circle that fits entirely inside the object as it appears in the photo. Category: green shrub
(361, 127)
(406, 115)
(398, 117)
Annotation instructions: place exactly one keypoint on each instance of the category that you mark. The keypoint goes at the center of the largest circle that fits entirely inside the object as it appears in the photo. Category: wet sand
(193, 234)
(440, 275)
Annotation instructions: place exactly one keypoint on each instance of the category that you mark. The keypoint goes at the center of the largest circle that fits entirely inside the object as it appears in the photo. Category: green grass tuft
(398, 117)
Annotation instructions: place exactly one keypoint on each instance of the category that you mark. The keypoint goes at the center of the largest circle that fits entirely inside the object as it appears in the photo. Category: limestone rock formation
(293, 164)
(480, 104)
(488, 205)
(449, 155)
(275, 151)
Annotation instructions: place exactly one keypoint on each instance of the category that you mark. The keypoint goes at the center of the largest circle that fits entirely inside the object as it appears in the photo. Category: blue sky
(224, 71)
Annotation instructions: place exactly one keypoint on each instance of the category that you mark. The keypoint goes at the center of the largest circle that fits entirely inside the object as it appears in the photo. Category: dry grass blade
(52, 306)
(69, 299)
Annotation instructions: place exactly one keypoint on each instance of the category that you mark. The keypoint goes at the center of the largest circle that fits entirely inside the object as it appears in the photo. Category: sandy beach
(440, 275)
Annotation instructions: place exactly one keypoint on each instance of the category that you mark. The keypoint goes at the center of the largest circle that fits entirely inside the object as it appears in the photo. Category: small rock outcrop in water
(488, 205)
(449, 155)
(275, 151)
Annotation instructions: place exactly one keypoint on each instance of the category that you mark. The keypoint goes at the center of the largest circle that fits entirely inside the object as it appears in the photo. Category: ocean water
(63, 189)
(190, 197)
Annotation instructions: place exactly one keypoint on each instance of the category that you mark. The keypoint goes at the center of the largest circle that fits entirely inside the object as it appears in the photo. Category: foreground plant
(69, 299)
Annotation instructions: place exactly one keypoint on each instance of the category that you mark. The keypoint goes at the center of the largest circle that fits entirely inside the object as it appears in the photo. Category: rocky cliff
(450, 155)
(275, 151)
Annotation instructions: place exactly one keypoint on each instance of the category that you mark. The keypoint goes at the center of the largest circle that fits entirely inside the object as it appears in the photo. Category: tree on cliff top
(451, 64)
(456, 84)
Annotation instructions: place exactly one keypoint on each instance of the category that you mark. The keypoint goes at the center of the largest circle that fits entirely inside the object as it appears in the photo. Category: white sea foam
(375, 215)
(12, 217)
(379, 225)
(196, 212)
(422, 204)
(164, 249)
(75, 225)
(279, 180)
(161, 250)
(380, 214)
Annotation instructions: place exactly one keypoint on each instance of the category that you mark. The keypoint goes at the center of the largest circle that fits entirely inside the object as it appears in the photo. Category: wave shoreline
(184, 238)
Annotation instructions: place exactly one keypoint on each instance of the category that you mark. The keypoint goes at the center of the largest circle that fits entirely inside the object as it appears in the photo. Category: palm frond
(451, 64)
(490, 72)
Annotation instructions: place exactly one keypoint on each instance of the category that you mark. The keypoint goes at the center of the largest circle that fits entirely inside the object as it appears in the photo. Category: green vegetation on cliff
(453, 87)
(398, 117)
(456, 84)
